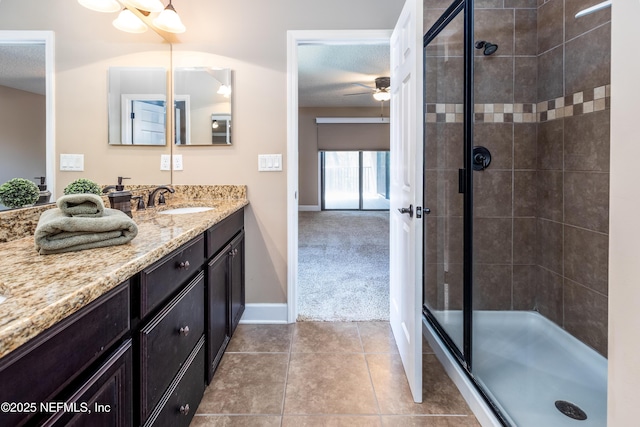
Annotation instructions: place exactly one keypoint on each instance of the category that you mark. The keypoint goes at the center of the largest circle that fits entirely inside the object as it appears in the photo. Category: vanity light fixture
(381, 95)
(101, 5)
(146, 5)
(169, 21)
(128, 22)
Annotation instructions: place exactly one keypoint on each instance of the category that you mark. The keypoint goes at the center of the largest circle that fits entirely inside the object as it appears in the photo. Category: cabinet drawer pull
(184, 265)
(184, 331)
(184, 409)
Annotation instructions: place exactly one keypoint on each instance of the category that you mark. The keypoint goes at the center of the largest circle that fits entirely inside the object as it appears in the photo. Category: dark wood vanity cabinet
(141, 354)
(62, 364)
(225, 285)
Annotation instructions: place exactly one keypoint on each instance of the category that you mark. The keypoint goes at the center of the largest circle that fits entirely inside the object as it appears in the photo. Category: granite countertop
(41, 290)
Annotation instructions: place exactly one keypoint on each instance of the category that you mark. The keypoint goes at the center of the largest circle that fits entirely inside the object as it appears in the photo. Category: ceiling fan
(380, 92)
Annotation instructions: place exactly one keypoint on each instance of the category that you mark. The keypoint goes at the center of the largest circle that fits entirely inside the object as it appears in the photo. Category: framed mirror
(27, 138)
(137, 106)
(202, 106)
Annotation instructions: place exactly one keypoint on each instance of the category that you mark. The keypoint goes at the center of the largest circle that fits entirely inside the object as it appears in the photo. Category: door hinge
(133, 116)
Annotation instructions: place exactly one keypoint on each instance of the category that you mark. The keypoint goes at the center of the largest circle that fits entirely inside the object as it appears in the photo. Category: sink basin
(180, 211)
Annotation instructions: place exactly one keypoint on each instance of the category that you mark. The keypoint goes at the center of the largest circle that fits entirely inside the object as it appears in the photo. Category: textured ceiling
(22, 66)
(329, 74)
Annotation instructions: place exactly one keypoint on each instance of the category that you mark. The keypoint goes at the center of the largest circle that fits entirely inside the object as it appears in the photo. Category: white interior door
(406, 191)
(148, 123)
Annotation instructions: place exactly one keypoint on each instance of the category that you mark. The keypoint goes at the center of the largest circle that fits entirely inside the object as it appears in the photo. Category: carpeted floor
(343, 266)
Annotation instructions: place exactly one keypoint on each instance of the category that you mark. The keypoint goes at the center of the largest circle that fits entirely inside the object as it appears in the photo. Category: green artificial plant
(82, 185)
(19, 192)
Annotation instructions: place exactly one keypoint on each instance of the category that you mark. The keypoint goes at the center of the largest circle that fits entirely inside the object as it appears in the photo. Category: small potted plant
(18, 193)
(82, 185)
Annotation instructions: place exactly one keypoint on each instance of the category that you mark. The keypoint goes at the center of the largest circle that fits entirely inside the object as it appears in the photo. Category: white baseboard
(265, 314)
(309, 208)
(476, 403)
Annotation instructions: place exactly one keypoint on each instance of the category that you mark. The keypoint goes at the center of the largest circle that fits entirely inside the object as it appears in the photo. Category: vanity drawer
(179, 404)
(160, 280)
(39, 370)
(220, 234)
(167, 340)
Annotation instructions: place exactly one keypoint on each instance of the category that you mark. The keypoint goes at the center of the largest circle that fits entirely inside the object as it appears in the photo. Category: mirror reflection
(202, 102)
(26, 140)
(137, 106)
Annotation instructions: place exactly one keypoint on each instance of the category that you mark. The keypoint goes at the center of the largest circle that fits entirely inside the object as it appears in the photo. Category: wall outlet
(165, 162)
(177, 162)
(72, 162)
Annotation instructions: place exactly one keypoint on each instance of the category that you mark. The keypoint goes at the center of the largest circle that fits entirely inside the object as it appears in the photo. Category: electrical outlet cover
(177, 162)
(165, 162)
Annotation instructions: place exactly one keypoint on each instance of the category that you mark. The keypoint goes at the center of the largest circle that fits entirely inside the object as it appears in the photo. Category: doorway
(295, 39)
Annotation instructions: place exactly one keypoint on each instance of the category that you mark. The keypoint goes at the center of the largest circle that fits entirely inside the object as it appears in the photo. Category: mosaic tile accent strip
(587, 101)
(483, 113)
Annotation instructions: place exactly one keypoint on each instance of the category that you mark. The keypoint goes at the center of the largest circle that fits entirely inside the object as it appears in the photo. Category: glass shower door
(444, 136)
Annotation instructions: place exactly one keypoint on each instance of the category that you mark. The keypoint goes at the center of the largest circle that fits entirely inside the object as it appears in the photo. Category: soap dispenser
(45, 194)
(120, 198)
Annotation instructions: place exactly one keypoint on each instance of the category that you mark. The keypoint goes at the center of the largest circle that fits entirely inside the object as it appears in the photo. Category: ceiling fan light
(381, 95)
(224, 90)
(169, 20)
(146, 5)
(128, 22)
(101, 5)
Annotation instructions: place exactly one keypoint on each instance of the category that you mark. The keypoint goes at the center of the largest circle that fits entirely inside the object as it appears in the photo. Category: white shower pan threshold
(527, 363)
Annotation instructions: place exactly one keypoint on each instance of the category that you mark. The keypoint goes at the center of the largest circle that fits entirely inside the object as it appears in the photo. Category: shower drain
(571, 410)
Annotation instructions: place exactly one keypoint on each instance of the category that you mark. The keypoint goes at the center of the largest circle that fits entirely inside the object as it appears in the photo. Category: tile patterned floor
(325, 374)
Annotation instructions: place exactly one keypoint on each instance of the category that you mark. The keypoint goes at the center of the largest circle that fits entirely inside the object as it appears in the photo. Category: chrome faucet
(152, 195)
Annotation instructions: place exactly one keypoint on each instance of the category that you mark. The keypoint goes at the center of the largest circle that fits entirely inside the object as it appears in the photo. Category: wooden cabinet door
(105, 399)
(236, 285)
(217, 310)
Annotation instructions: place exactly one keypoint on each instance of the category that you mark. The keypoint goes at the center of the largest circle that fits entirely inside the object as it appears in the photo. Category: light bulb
(129, 22)
(382, 95)
(101, 5)
(224, 90)
(169, 21)
(215, 124)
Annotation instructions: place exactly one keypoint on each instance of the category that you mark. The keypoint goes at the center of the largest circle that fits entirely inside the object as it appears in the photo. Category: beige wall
(247, 36)
(250, 37)
(22, 135)
(86, 45)
(624, 243)
(308, 146)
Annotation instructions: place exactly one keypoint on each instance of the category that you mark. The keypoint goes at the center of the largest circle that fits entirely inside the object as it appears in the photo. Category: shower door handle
(408, 210)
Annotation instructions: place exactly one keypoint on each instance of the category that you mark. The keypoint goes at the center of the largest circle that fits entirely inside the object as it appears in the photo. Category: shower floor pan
(527, 363)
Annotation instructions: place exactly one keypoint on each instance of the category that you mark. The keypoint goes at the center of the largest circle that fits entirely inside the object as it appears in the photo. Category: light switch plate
(177, 162)
(72, 162)
(269, 162)
(165, 162)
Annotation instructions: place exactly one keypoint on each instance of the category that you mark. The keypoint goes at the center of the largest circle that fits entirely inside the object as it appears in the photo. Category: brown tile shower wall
(541, 209)
(573, 168)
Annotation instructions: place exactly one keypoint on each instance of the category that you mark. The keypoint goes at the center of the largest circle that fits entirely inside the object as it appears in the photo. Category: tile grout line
(366, 362)
(286, 375)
